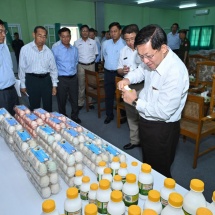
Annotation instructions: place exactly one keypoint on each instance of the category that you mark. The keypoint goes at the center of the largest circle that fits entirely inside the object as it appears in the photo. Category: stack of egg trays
(3, 114)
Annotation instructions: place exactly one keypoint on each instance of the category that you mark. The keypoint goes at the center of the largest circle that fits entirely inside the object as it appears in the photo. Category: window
(51, 35)
(201, 37)
(74, 32)
(12, 28)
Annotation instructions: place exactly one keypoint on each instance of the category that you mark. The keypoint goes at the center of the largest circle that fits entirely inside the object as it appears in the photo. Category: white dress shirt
(165, 90)
(87, 50)
(32, 60)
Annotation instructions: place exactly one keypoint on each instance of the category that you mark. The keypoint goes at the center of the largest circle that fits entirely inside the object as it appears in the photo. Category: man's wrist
(134, 103)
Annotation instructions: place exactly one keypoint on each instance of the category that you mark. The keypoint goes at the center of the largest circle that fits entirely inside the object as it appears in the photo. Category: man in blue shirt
(66, 57)
(173, 40)
(8, 95)
(111, 51)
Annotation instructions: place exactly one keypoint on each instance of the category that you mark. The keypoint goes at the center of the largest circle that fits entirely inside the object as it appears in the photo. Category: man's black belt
(8, 88)
(38, 75)
(67, 76)
(111, 71)
(87, 64)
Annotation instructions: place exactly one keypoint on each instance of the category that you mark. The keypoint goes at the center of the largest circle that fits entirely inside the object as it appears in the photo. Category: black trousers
(110, 88)
(159, 141)
(39, 88)
(68, 86)
(8, 99)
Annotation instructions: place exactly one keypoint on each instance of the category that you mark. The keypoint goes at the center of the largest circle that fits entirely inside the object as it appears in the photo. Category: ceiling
(165, 4)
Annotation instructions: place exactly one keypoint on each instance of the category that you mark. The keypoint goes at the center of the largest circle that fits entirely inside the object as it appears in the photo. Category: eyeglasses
(3, 32)
(149, 57)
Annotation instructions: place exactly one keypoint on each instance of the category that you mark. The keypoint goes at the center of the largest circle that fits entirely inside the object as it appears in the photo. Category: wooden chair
(212, 101)
(195, 125)
(95, 89)
(212, 56)
(120, 105)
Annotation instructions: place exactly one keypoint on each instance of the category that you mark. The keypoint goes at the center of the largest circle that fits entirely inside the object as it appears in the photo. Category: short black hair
(175, 24)
(92, 30)
(84, 26)
(16, 33)
(153, 33)
(103, 32)
(115, 24)
(40, 27)
(64, 29)
(1, 22)
(133, 28)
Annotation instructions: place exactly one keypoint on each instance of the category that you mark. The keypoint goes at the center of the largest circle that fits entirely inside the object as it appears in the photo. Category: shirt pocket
(154, 94)
(45, 63)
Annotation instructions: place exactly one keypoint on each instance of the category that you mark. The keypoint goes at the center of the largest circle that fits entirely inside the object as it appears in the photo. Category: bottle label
(144, 188)
(78, 187)
(71, 132)
(92, 201)
(84, 195)
(164, 202)
(24, 135)
(66, 146)
(102, 207)
(79, 212)
(31, 116)
(41, 111)
(130, 199)
(40, 154)
(123, 179)
(71, 123)
(185, 212)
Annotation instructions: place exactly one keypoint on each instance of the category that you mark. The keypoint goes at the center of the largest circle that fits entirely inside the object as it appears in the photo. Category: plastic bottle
(84, 190)
(48, 207)
(149, 212)
(145, 181)
(135, 168)
(78, 179)
(115, 165)
(194, 198)
(90, 209)
(203, 211)
(153, 201)
(72, 204)
(130, 191)
(175, 202)
(107, 174)
(169, 187)
(103, 196)
(134, 210)
(116, 206)
(117, 183)
(212, 205)
(123, 171)
(100, 170)
(92, 193)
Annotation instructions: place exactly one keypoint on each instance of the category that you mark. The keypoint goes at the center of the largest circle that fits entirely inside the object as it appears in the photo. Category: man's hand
(129, 95)
(54, 91)
(23, 90)
(122, 83)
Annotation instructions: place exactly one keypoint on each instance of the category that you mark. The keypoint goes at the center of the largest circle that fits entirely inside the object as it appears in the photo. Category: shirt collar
(35, 46)
(63, 46)
(2, 46)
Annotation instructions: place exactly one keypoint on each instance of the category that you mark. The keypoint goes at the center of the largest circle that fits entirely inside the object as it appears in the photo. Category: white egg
(98, 141)
(54, 155)
(78, 166)
(71, 182)
(81, 138)
(46, 192)
(70, 171)
(85, 150)
(71, 160)
(93, 158)
(11, 129)
(122, 158)
(85, 160)
(104, 157)
(78, 156)
(44, 181)
(57, 137)
(50, 139)
(93, 167)
(42, 169)
(51, 166)
(53, 177)
(89, 163)
(81, 145)
(75, 141)
(98, 159)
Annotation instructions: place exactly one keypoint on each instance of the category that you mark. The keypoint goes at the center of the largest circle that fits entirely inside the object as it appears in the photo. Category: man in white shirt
(173, 40)
(162, 99)
(128, 61)
(87, 51)
(37, 71)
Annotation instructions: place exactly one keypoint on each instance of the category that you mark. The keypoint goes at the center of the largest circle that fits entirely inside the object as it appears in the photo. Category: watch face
(134, 103)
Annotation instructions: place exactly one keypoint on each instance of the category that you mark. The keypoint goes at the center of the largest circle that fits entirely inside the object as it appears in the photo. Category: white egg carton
(8, 139)
(21, 110)
(32, 120)
(24, 164)
(44, 145)
(55, 123)
(43, 114)
(10, 125)
(92, 138)
(68, 180)
(4, 114)
(53, 177)
(71, 124)
(60, 116)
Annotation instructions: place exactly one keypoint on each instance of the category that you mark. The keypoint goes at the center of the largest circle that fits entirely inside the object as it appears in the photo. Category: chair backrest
(193, 59)
(118, 92)
(212, 102)
(194, 108)
(205, 70)
(91, 78)
(212, 56)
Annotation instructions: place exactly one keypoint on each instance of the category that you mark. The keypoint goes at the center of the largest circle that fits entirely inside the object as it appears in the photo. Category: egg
(79, 129)
(78, 166)
(93, 167)
(98, 159)
(75, 141)
(71, 160)
(78, 156)
(46, 192)
(53, 177)
(70, 171)
(122, 158)
(81, 138)
(104, 157)
(44, 181)
(55, 188)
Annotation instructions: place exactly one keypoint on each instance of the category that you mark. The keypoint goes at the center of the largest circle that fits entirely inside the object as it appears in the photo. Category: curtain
(8, 35)
(194, 34)
(57, 28)
(206, 37)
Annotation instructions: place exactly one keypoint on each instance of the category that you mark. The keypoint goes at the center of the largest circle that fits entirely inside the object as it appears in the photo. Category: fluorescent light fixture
(188, 5)
(144, 1)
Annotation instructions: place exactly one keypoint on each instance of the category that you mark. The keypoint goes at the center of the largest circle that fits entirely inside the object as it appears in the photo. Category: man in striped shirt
(37, 71)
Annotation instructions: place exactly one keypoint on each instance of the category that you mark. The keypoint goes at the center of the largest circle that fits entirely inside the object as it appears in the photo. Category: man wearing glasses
(8, 95)
(87, 51)
(37, 71)
(162, 99)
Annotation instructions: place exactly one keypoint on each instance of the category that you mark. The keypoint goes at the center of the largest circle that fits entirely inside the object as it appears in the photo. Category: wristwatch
(134, 103)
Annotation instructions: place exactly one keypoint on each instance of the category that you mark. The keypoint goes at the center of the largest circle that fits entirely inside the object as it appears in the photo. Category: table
(18, 195)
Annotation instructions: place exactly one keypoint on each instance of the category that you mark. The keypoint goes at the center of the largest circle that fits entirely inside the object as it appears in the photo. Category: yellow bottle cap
(102, 163)
(203, 211)
(134, 210)
(197, 185)
(104, 184)
(115, 159)
(90, 209)
(131, 178)
(123, 165)
(213, 197)
(134, 163)
(169, 183)
(149, 212)
(116, 196)
(72, 193)
(175, 199)
(154, 195)
(85, 179)
(48, 206)
(117, 178)
(146, 168)
(94, 186)
(107, 170)
(79, 173)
